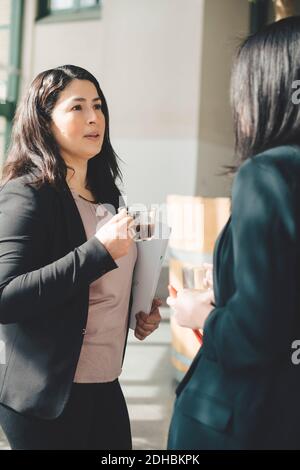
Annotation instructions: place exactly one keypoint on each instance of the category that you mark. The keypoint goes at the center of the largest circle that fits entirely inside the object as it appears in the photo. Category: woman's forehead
(79, 89)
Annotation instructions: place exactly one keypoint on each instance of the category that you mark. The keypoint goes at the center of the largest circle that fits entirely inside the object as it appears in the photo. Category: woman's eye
(78, 107)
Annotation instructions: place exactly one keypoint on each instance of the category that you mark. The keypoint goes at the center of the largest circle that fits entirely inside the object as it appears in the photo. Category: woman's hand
(191, 307)
(115, 235)
(147, 323)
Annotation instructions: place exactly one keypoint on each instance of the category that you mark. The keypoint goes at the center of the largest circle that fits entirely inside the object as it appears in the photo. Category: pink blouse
(103, 345)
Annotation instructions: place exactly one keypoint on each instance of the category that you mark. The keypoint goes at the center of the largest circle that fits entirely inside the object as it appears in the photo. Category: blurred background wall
(164, 67)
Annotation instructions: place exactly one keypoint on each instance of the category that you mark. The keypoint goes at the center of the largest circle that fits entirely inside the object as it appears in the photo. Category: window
(11, 13)
(61, 5)
(55, 9)
(58, 5)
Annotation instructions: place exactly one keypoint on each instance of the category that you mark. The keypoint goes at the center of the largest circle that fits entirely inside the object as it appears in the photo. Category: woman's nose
(92, 116)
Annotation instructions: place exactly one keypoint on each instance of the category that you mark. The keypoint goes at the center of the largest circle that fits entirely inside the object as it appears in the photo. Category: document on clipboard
(150, 257)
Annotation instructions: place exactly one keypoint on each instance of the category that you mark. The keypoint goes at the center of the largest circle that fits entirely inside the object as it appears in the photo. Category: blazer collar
(75, 228)
(216, 260)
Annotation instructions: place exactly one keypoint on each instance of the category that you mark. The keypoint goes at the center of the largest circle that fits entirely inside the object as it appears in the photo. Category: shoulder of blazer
(282, 157)
(268, 183)
(21, 195)
(282, 162)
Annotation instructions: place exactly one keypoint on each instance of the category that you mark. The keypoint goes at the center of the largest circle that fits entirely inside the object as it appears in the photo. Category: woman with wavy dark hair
(242, 389)
(66, 264)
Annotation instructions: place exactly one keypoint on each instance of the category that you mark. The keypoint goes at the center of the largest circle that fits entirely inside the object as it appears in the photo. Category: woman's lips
(92, 137)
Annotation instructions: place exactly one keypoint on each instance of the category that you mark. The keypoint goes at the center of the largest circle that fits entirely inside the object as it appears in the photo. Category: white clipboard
(150, 257)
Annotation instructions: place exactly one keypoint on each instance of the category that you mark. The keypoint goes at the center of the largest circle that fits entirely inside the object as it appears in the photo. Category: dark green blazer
(242, 390)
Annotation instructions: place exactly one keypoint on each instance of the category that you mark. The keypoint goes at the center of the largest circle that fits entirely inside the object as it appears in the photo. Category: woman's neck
(77, 179)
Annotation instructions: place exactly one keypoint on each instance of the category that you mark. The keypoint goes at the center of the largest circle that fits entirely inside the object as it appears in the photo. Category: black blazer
(46, 266)
(242, 390)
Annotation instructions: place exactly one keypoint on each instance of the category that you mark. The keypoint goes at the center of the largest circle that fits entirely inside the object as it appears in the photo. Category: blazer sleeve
(255, 327)
(26, 292)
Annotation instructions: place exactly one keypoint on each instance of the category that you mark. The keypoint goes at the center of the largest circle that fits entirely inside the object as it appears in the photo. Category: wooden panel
(196, 221)
(175, 273)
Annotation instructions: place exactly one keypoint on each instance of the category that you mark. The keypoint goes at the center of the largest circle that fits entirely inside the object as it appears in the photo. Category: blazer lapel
(216, 261)
(75, 228)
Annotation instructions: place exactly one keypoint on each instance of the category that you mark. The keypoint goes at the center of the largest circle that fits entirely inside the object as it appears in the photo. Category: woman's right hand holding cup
(115, 236)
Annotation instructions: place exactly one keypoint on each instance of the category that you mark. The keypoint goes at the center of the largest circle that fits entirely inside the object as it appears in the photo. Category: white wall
(146, 55)
(164, 67)
(225, 23)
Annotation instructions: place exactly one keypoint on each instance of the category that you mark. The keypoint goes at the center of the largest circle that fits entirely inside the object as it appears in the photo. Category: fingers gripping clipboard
(150, 258)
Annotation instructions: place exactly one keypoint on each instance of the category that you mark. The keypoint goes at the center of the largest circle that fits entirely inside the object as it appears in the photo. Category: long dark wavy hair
(33, 145)
(264, 72)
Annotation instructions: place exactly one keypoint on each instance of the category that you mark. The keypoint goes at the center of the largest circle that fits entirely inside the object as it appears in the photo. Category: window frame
(8, 107)
(75, 13)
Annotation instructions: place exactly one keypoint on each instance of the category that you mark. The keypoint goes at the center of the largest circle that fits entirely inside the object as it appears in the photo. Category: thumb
(172, 291)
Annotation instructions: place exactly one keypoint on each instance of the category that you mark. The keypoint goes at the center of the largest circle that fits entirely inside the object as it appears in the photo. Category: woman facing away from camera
(66, 264)
(242, 390)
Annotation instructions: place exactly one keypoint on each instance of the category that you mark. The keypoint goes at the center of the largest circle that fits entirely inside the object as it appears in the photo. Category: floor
(148, 385)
